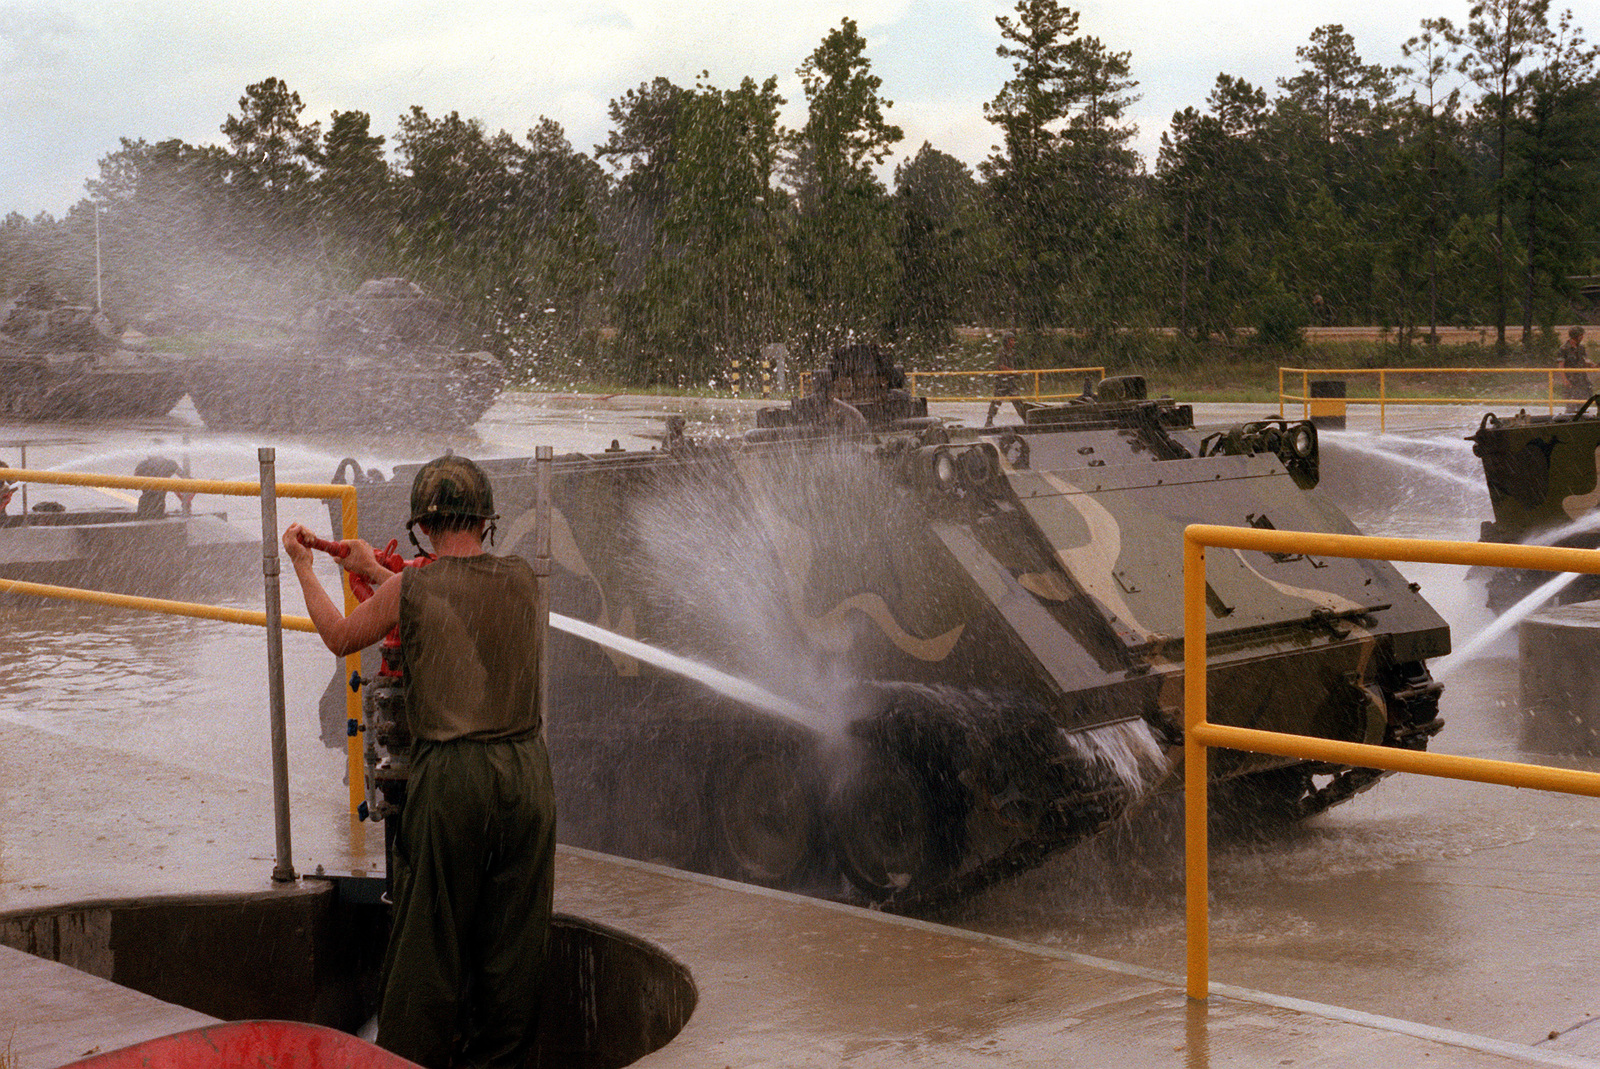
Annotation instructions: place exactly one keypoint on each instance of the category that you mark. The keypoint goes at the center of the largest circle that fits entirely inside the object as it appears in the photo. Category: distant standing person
(1573, 354)
(1006, 386)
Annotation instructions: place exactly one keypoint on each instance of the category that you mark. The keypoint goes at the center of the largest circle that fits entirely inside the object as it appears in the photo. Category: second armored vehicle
(963, 649)
(62, 362)
(1543, 475)
(385, 357)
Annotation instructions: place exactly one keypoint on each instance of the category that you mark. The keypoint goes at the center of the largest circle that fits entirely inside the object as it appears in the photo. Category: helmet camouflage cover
(451, 486)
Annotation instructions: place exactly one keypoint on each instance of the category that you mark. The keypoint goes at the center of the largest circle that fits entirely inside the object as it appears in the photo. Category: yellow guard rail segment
(1383, 400)
(1200, 733)
(1037, 373)
(346, 496)
(164, 606)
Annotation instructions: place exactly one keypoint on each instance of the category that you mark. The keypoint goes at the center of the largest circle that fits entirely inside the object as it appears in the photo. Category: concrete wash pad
(660, 968)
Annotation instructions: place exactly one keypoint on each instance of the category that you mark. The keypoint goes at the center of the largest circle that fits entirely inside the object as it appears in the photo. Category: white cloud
(78, 75)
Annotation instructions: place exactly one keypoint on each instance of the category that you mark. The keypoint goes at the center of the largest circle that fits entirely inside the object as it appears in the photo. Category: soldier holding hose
(473, 861)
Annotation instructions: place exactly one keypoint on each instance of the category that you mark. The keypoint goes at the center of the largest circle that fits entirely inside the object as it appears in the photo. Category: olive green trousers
(473, 868)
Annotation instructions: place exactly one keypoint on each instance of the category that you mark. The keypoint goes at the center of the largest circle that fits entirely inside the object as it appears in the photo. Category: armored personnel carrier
(384, 357)
(964, 647)
(1541, 471)
(62, 362)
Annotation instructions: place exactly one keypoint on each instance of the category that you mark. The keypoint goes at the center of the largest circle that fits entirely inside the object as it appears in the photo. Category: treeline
(1457, 188)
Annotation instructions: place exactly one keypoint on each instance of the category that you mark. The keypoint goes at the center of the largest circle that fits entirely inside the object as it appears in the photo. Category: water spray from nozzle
(740, 690)
(1507, 620)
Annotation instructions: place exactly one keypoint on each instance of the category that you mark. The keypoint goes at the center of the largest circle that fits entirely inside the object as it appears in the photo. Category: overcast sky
(77, 75)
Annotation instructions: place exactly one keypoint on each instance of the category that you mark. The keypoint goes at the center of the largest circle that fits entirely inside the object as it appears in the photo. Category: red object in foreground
(333, 549)
(257, 1044)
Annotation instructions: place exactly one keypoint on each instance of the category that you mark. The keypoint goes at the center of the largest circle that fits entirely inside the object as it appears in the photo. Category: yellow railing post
(355, 741)
(1200, 734)
(1038, 374)
(1196, 849)
(1383, 401)
(166, 607)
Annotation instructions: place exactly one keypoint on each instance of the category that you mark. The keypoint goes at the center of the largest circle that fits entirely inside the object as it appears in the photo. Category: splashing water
(1128, 749)
(1530, 604)
(1434, 470)
(733, 561)
(1583, 524)
(1508, 619)
(741, 690)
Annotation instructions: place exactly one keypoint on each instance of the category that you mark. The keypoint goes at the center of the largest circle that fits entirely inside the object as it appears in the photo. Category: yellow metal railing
(1384, 399)
(1037, 375)
(346, 496)
(1199, 733)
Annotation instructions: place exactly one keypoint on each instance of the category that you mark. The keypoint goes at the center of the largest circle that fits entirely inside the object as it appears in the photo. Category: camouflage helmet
(451, 486)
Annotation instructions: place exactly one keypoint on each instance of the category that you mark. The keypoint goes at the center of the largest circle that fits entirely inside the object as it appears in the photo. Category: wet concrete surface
(103, 1016)
(133, 759)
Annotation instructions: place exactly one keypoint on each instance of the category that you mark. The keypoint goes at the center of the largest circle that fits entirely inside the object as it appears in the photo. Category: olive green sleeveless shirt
(468, 638)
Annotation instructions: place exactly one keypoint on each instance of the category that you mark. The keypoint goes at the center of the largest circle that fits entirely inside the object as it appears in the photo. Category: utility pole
(99, 293)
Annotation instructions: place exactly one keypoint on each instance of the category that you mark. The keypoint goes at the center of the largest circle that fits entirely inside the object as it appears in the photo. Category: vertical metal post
(355, 741)
(1196, 862)
(186, 500)
(542, 457)
(23, 460)
(283, 871)
(99, 291)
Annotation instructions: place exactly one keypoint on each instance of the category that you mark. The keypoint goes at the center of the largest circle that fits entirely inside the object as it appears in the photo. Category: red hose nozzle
(332, 549)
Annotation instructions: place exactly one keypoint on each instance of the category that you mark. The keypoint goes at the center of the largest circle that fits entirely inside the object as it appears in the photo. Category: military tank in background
(385, 357)
(1543, 476)
(969, 641)
(62, 361)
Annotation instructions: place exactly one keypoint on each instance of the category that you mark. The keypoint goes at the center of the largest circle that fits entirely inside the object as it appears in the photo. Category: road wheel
(1260, 803)
(886, 830)
(656, 817)
(765, 817)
